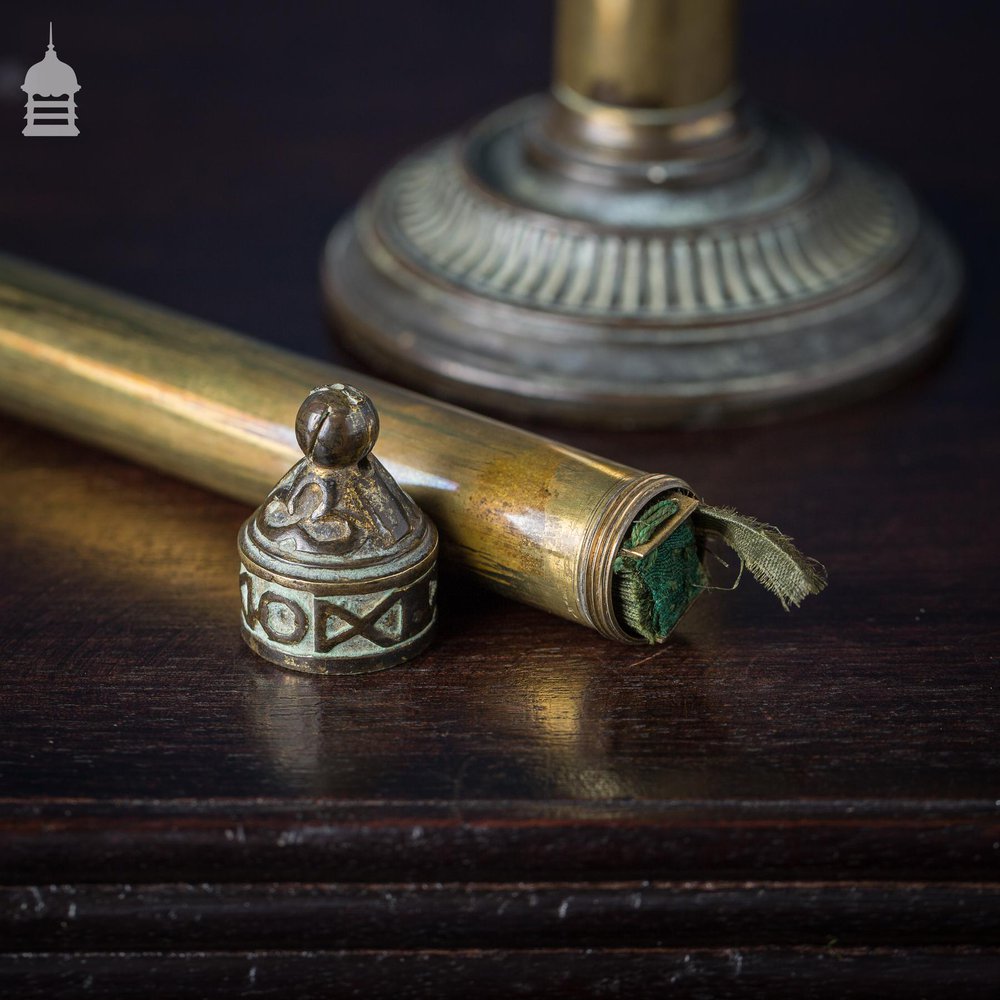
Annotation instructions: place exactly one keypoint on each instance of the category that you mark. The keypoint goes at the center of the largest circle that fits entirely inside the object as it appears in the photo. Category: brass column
(646, 54)
(642, 245)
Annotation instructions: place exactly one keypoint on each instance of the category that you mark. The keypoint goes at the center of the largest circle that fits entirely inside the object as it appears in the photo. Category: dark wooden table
(768, 805)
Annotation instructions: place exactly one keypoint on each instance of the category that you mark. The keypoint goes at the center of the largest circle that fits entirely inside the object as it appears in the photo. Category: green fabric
(652, 593)
(772, 559)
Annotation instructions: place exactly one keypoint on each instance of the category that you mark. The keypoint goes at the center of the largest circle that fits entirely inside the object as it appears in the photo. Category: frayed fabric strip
(653, 591)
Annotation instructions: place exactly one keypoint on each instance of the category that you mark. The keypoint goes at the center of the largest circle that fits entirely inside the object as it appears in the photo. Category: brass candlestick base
(639, 251)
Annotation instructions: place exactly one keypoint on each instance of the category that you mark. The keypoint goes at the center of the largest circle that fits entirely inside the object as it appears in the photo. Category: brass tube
(535, 520)
(644, 54)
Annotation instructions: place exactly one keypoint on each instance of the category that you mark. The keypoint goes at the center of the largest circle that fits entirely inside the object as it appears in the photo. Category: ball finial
(337, 425)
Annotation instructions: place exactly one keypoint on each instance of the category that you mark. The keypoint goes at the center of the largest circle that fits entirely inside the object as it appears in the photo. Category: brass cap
(339, 564)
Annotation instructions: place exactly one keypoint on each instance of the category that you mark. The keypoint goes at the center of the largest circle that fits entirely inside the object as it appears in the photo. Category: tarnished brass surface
(639, 84)
(535, 520)
(339, 564)
(641, 246)
(648, 54)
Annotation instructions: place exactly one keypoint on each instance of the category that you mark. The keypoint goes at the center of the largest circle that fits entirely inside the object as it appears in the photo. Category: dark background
(220, 141)
(807, 798)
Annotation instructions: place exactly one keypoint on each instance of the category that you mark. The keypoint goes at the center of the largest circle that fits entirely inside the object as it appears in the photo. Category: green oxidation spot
(651, 594)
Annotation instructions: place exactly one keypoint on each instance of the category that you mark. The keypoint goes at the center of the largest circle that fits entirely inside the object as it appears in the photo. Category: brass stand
(641, 246)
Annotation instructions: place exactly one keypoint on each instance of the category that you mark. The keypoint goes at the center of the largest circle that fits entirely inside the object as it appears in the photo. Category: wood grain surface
(771, 804)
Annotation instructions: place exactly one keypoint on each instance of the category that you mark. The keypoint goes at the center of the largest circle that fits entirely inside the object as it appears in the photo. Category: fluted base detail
(477, 274)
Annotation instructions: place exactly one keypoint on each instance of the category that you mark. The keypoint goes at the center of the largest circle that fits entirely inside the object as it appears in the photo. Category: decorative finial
(339, 564)
(51, 46)
(337, 425)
